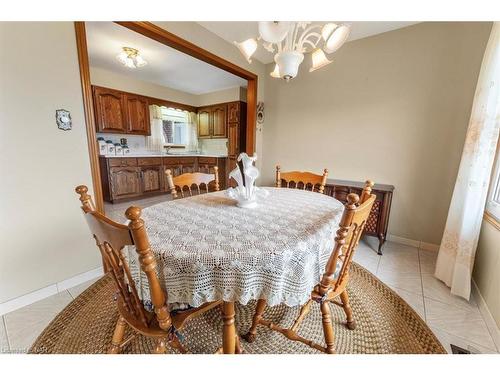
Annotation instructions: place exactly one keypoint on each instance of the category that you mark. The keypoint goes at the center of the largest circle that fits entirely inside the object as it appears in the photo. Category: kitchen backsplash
(216, 146)
(137, 143)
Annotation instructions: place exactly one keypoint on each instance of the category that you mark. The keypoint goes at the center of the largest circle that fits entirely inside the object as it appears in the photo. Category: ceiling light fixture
(131, 58)
(293, 40)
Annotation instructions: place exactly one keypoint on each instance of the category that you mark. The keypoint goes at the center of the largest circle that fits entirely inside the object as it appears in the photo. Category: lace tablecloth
(208, 249)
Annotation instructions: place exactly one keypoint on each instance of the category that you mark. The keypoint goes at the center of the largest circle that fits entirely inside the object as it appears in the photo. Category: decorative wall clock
(63, 119)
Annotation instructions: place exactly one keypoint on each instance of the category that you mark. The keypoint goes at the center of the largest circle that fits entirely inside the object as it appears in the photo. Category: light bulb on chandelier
(291, 40)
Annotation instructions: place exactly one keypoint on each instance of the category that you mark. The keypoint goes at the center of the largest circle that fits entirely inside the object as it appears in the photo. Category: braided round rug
(385, 324)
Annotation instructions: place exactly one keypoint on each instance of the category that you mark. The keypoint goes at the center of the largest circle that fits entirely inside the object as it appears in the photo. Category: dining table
(208, 249)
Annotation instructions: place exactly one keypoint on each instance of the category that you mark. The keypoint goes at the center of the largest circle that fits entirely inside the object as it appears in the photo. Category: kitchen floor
(407, 270)
(117, 211)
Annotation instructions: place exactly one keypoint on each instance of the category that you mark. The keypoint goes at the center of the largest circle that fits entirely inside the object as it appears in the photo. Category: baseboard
(37, 295)
(403, 241)
(487, 316)
(415, 243)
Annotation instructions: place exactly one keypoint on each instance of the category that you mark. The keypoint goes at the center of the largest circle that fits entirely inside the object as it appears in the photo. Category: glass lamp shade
(288, 63)
(327, 30)
(319, 60)
(273, 32)
(247, 48)
(337, 38)
(276, 72)
(130, 58)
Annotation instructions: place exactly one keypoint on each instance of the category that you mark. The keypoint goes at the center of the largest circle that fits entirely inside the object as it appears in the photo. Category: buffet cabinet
(126, 178)
(378, 220)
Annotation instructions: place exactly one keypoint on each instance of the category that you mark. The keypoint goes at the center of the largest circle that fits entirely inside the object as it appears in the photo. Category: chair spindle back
(304, 180)
(351, 227)
(111, 237)
(187, 180)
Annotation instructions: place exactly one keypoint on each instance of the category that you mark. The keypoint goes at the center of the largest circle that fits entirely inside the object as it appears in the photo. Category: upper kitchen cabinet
(204, 123)
(137, 114)
(109, 110)
(212, 122)
(219, 124)
(120, 112)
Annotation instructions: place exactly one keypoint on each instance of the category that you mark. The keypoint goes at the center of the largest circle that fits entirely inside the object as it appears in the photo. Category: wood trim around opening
(154, 32)
(492, 220)
(83, 60)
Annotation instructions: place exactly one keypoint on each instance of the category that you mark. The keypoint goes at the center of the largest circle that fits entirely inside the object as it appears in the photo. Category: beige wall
(393, 108)
(221, 96)
(107, 78)
(43, 234)
(487, 268)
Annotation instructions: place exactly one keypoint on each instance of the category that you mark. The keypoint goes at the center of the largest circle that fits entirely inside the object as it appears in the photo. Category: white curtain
(458, 246)
(192, 124)
(155, 141)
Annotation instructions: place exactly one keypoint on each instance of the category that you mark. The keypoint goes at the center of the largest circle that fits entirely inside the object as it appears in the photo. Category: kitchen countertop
(163, 155)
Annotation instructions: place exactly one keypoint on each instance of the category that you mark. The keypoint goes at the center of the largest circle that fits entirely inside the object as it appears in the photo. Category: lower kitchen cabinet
(133, 178)
(124, 181)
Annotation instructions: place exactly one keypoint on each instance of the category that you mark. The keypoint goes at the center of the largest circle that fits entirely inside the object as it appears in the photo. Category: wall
(393, 108)
(107, 78)
(486, 268)
(43, 234)
(228, 95)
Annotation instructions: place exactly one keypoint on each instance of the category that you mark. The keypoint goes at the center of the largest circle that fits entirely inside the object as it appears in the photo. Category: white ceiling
(166, 66)
(239, 31)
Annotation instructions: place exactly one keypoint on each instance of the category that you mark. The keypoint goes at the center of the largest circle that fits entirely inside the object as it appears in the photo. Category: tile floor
(405, 269)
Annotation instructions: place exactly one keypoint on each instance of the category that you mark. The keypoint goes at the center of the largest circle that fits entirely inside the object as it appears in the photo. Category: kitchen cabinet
(134, 178)
(204, 123)
(137, 114)
(212, 122)
(125, 182)
(109, 110)
(120, 112)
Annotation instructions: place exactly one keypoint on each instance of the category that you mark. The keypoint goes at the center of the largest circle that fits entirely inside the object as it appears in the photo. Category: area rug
(385, 324)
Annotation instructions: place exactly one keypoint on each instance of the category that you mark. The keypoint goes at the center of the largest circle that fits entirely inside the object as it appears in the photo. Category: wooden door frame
(154, 32)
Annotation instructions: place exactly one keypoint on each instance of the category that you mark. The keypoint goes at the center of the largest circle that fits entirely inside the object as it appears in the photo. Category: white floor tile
(24, 325)
(464, 323)
(427, 261)
(447, 339)
(78, 289)
(437, 290)
(410, 282)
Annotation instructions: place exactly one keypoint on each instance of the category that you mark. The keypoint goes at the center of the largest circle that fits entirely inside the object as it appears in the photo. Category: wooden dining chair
(301, 180)
(187, 180)
(111, 238)
(334, 280)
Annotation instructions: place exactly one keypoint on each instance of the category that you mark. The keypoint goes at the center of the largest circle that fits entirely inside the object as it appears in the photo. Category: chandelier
(131, 58)
(290, 40)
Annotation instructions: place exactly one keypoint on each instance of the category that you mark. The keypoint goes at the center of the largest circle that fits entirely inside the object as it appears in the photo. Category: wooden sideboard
(379, 217)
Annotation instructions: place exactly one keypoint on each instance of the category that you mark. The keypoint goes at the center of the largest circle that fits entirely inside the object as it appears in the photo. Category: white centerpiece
(246, 193)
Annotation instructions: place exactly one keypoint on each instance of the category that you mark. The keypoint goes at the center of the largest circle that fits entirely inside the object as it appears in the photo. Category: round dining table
(208, 249)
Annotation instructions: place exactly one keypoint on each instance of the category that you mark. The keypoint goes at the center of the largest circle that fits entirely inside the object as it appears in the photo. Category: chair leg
(161, 346)
(344, 297)
(259, 310)
(326, 318)
(118, 334)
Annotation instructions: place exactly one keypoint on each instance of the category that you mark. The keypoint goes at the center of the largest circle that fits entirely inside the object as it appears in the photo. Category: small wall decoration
(63, 119)
(260, 112)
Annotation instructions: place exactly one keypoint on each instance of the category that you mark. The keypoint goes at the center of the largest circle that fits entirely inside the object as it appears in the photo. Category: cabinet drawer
(179, 160)
(122, 162)
(207, 160)
(148, 161)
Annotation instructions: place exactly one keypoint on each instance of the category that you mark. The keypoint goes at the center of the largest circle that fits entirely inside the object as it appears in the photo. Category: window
(493, 202)
(175, 129)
